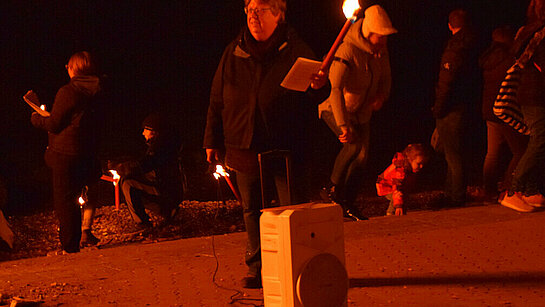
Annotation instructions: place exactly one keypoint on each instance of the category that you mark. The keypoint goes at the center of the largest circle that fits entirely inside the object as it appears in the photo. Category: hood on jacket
(376, 20)
(89, 85)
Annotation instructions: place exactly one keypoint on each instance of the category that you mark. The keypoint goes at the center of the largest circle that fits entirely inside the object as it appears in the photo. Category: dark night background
(163, 54)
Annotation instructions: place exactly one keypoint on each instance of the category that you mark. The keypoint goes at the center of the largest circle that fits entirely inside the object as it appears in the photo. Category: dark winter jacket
(457, 85)
(494, 63)
(73, 122)
(159, 166)
(248, 107)
(532, 81)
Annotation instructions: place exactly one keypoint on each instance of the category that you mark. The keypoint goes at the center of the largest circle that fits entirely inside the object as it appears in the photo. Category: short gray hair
(277, 7)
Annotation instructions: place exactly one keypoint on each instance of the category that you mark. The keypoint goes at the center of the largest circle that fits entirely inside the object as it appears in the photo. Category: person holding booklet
(251, 113)
(360, 83)
(71, 153)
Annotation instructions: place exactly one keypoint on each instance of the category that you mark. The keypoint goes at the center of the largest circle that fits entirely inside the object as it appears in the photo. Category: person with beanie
(360, 83)
(155, 177)
(456, 92)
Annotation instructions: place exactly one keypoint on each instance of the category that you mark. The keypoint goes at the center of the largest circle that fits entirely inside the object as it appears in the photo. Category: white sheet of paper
(298, 78)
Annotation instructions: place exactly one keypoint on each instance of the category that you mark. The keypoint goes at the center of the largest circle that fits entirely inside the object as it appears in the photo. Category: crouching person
(154, 180)
(399, 179)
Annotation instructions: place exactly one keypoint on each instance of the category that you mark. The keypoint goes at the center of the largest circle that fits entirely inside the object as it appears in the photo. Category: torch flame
(350, 8)
(81, 201)
(221, 171)
(115, 176)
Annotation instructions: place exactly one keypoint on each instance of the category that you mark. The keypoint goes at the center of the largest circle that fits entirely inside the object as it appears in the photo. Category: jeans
(250, 191)
(528, 175)
(498, 135)
(348, 168)
(451, 134)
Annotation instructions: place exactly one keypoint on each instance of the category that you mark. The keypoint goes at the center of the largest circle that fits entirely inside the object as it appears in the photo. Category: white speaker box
(302, 251)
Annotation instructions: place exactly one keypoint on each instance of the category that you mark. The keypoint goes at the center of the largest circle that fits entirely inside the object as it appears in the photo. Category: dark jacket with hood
(494, 62)
(249, 110)
(72, 125)
(457, 85)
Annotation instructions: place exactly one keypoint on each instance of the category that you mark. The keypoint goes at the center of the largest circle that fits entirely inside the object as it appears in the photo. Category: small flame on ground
(350, 7)
(42, 107)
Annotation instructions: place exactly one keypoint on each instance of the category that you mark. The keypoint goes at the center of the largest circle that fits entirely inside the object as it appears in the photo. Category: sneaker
(252, 282)
(354, 215)
(537, 200)
(515, 202)
(88, 239)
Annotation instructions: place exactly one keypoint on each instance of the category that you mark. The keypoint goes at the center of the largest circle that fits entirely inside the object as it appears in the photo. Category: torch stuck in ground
(115, 180)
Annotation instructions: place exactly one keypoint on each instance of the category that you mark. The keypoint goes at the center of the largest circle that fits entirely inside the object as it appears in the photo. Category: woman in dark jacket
(494, 62)
(526, 193)
(71, 153)
(250, 112)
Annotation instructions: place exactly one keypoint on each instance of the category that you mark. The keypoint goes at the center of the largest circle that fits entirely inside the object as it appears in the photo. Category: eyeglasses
(258, 12)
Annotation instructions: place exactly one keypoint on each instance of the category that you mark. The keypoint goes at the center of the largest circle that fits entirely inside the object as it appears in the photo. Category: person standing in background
(455, 93)
(494, 63)
(72, 148)
(527, 188)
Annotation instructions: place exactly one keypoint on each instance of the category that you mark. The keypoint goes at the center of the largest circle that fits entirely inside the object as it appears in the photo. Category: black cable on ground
(238, 296)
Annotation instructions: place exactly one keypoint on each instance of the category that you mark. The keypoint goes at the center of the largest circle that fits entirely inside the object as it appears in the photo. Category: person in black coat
(455, 92)
(72, 149)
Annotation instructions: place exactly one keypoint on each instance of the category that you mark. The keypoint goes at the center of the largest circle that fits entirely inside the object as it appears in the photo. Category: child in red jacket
(400, 177)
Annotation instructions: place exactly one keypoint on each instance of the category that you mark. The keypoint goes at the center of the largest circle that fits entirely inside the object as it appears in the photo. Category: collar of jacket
(356, 38)
(241, 50)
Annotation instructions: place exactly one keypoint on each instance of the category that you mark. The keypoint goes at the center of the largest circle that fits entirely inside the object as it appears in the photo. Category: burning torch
(350, 10)
(115, 180)
(220, 172)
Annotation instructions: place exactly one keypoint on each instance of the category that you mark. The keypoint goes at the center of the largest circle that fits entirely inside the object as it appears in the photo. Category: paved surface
(474, 256)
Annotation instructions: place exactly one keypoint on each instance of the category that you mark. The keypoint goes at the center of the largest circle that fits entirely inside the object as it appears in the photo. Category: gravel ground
(37, 234)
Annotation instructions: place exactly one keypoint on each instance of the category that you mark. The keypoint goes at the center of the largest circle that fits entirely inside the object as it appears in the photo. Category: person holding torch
(250, 113)
(72, 149)
(360, 83)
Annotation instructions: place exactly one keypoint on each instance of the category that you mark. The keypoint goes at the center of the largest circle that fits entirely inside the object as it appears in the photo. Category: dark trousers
(349, 164)
(250, 191)
(70, 174)
(528, 175)
(498, 135)
(451, 134)
(136, 190)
